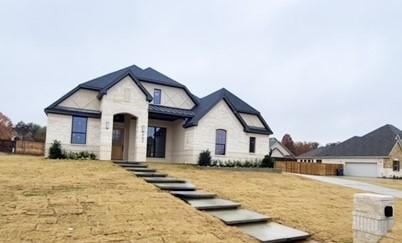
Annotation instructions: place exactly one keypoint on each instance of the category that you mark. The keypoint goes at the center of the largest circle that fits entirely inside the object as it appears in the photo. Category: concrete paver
(359, 185)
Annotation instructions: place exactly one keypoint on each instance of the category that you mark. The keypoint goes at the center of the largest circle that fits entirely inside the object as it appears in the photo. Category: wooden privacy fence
(29, 147)
(308, 168)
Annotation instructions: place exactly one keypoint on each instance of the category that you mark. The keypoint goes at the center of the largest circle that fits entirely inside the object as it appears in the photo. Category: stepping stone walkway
(211, 204)
(252, 223)
(163, 180)
(193, 194)
(239, 216)
(176, 186)
(140, 169)
(150, 174)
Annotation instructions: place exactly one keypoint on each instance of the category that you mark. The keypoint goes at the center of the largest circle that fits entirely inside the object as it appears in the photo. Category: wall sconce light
(107, 125)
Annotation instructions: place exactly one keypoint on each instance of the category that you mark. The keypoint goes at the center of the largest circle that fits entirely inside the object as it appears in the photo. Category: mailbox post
(373, 217)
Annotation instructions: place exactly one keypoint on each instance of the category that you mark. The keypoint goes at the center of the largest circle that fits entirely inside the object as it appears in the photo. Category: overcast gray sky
(319, 70)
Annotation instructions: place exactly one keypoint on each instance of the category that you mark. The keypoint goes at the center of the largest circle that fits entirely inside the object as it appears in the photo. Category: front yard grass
(93, 201)
(321, 209)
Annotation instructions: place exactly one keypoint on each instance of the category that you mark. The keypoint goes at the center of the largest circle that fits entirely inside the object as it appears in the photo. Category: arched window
(220, 142)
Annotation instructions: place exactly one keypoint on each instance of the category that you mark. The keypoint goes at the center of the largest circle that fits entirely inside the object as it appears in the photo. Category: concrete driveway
(359, 185)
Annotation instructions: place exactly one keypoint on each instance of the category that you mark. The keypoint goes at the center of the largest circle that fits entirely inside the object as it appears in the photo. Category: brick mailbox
(373, 217)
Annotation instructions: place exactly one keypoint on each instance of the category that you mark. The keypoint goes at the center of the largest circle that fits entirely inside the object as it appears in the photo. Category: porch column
(141, 139)
(106, 133)
(132, 139)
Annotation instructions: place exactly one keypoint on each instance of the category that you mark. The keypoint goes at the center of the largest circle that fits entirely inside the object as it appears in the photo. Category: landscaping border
(247, 169)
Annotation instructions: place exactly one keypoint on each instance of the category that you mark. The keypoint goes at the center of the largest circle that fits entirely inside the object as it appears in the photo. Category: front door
(117, 143)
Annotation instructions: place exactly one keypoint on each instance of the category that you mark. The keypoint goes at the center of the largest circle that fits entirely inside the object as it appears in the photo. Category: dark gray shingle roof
(170, 111)
(202, 105)
(147, 75)
(235, 103)
(376, 143)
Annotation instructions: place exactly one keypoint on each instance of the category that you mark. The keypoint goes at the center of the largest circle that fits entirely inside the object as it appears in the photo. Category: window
(396, 165)
(220, 142)
(252, 145)
(79, 130)
(156, 142)
(157, 96)
(319, 161)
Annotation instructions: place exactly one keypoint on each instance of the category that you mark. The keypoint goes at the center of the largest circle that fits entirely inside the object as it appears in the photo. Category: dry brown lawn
(321, 209)
(93, 201)
(390, 183)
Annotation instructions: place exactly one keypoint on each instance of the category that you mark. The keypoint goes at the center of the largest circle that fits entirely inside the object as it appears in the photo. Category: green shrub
(55, 151)
(267, 162)
(205, 158)
(92, 156)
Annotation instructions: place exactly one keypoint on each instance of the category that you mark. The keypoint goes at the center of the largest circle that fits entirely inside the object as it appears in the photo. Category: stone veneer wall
(124, 97)
(396, 154)
(237, 141)
(171, 96)
(59, 128)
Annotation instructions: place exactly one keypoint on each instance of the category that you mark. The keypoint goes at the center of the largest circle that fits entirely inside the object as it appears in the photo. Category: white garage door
(360, 169)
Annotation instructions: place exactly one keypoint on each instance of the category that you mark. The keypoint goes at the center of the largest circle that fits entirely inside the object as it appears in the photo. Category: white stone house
(279, 151)
(376, 154)
(142, 115)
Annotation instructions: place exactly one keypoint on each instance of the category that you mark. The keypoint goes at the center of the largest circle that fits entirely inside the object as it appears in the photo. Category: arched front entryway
(123, 136)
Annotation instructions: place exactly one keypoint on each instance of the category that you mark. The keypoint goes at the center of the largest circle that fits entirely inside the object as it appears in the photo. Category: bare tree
(287, 141)
(6, 128)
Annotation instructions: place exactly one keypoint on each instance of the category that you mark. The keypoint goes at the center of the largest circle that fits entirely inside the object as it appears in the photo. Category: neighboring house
(279, 151)
(142, 115)
(376, 154)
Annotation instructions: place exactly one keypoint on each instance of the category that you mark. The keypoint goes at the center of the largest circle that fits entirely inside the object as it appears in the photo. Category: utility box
(373, 217)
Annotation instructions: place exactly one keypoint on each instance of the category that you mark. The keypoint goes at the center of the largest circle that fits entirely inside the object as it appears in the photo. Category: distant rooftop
(376, 143)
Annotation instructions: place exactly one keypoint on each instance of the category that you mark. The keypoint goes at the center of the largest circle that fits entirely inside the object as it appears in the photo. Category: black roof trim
(211, 100)
(104, 90)
(170, 111)
(62, 110)
(257, 130)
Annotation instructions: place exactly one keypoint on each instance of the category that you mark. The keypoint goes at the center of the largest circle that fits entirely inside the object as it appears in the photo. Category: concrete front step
(239, 216)
(273, 232)
(212, 204)
(176, 186)
(133, 165)
(125, 162)
(193, 194)
(140, 169)
(150, 174)
(163, 180)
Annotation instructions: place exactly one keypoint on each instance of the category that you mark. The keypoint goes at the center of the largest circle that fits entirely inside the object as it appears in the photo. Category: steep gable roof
(147, 75)
(235, 104)
(273, 141)
(376, 143)
(138, 75)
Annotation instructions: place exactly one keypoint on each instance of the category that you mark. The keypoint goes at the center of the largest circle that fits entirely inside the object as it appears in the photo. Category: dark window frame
(252, 143)
(159, 100)
(152, 150)
(79, 132)
(396, 165)
(220, 144)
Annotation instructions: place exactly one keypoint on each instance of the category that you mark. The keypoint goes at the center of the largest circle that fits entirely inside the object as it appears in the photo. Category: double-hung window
(79, 130)
(220, 142)
(396, 165)
(252, 145)
(157, 96)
